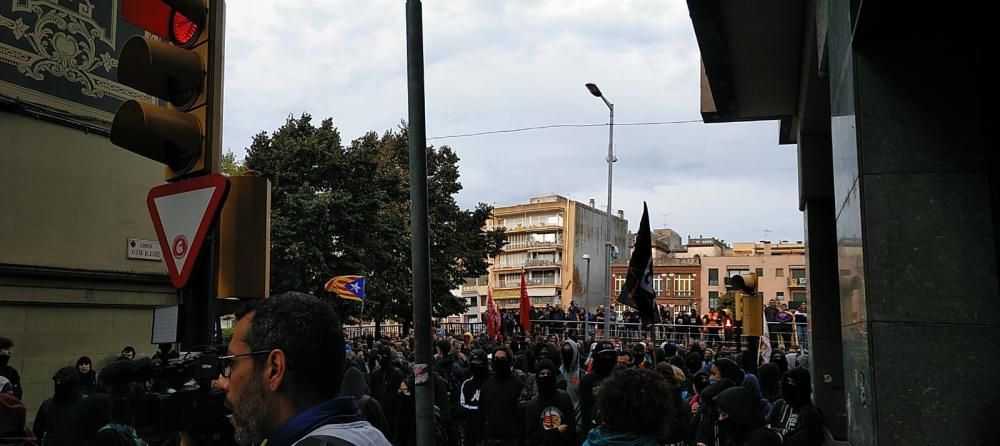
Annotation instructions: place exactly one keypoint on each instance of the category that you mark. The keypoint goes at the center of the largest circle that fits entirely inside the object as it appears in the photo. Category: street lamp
(586, 287)
(611, 160)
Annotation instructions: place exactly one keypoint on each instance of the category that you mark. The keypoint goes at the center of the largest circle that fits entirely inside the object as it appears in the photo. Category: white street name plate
(144, 249)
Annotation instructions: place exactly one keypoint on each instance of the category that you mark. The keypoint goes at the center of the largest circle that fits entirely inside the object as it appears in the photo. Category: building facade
(547, 239)
(780, 268)
(80, 270)
(675, 282)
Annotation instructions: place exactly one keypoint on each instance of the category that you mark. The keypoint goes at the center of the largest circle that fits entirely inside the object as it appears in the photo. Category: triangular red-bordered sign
(182, 212)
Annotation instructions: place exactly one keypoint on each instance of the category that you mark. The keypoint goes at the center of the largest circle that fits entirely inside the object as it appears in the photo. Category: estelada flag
(525, 306)
(638, 290)
(492, 315)
(347, 287)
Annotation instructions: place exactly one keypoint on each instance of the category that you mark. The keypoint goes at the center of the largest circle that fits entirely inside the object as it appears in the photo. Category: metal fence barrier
(781, 335)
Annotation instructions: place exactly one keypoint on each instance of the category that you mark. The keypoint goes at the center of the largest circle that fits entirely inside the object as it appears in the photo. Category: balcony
(797, 282)
(542, 262)
(535, 227)
(529, 282)
(514, 246)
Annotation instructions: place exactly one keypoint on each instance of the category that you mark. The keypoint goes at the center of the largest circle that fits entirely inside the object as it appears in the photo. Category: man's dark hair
(6, 342)
(308, 331)
(622, 407)
(444, 345)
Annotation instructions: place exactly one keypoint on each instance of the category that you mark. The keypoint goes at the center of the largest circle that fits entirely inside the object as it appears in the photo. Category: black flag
(638, 290)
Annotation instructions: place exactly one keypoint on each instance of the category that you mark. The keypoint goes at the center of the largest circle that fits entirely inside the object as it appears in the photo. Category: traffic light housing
(749, 303)
(186, 71)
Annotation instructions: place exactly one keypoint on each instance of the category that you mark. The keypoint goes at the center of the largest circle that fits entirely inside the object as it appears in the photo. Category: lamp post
(611, 162)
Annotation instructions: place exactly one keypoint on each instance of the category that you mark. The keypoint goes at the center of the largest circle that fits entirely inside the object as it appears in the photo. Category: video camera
(163, 397)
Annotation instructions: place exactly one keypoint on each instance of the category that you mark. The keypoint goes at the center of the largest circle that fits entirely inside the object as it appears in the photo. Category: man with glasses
(283, 373)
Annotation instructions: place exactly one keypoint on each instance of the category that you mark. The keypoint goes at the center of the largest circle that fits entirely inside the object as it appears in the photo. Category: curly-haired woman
(632, 407)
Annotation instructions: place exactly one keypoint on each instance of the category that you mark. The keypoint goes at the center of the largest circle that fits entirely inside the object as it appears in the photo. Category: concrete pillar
(914, 190)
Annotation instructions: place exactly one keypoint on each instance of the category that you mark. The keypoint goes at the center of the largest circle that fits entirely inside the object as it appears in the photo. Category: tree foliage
(340, 210)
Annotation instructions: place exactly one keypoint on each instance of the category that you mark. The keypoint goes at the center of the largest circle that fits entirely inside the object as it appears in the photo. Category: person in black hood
(794, 417)
(741, 419)
(385, 384)
(469, 397)
(354, 385)
(88, 378)
(706, 412)
(693, 362)
(549, 418)
(605, 357)
(545, 351)
(499, 401)
(769, 376)
(726, 369)
(56, 420)
(778, 358)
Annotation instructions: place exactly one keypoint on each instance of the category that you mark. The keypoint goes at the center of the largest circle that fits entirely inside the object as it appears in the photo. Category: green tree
(345, 210)
(230, 165)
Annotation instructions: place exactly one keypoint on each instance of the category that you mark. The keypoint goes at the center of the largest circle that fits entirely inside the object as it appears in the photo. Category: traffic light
(748, 303)
(744, 283)
(185, 70)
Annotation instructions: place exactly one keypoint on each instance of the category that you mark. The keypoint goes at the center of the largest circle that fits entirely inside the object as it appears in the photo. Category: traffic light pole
(419, 242)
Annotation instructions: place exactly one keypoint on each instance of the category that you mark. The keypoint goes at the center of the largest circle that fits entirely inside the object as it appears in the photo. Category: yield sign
(182, 213)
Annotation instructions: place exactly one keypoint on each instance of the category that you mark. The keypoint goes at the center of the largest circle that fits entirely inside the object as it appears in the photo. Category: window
(658, 285)
(799, 296)
(713, 277)
(760, 272)
(797, 273)
(619, 283)
(779, 272)
(713, 299)
(683, 285)
(780, 296)
(482, 301)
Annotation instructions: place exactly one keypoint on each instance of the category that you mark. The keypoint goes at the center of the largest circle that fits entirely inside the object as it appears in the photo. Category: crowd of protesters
(570, 386)
(787, 328)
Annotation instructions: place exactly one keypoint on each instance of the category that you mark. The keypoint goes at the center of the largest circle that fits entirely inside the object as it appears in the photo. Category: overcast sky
(496, 65)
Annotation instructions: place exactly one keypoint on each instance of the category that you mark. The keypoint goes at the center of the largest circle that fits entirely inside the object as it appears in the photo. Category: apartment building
(780, 268)
(559, 245)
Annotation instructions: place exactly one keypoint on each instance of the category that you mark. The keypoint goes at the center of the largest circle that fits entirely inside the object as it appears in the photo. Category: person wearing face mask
(571, 373)
(741, 419)
(604, 360)
(794, 417)
(6, 370)
(406, 415)
(498, 402)
(469, 397)
(385, 384)
(57, 418)
(548, 418)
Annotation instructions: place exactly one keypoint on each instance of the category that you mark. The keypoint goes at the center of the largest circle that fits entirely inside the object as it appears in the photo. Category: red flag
(492, 315)
(525, 306)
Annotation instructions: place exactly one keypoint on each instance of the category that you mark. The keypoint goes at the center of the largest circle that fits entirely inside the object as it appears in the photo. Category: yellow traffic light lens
(184, 32)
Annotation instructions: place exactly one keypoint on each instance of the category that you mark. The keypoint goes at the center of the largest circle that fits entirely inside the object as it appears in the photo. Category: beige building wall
(769, 282)
(69, 200)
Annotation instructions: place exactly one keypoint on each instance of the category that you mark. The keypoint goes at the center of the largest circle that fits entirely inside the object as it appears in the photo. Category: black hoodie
(57, 418)
(794, 416)
(745, 424)
(550, 408)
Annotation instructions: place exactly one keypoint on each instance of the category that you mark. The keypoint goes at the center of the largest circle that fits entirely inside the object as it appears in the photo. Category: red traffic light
(183, 31)
(179, 21)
